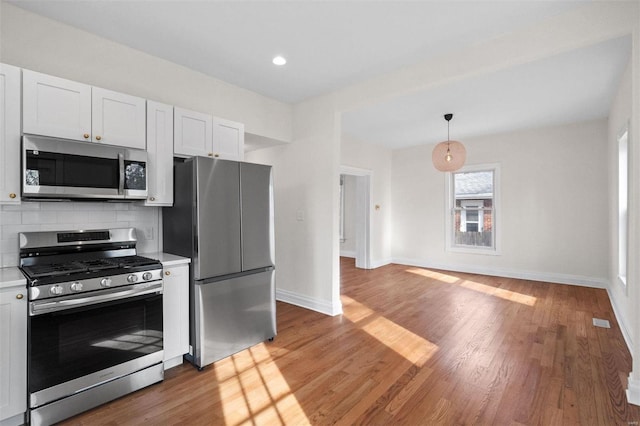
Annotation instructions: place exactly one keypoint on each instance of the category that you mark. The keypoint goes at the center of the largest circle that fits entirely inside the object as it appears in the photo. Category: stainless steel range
(95, 320)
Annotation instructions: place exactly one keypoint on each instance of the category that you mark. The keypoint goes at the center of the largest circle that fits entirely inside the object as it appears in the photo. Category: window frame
(496, 210)
(622, 146)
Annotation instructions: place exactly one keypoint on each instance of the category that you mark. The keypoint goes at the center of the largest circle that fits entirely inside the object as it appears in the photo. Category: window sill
(622, 281)
(474, 250)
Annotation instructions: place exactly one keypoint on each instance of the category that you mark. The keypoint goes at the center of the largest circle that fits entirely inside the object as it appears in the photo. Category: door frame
(364, 179)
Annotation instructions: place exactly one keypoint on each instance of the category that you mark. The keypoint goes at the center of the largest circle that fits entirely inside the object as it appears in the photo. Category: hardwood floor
(416, 347)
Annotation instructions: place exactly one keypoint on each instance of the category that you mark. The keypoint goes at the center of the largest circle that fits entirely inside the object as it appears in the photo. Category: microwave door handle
(121, 180)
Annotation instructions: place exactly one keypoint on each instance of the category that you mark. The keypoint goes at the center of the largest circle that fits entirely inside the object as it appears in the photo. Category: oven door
(77, 344)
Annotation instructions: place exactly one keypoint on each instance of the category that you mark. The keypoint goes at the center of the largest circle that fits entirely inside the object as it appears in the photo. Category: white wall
(30, 41)
(306, 192)
(619, 117)
(553, 214)
(348, 246)
(377, 159)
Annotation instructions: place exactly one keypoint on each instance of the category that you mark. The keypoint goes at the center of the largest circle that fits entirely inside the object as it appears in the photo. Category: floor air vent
(601, 323)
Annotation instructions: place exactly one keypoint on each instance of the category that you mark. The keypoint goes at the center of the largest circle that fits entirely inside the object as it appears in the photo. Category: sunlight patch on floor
(256, 392)
(511, 296)
(502, 293)
(433, 274)
(409, 345)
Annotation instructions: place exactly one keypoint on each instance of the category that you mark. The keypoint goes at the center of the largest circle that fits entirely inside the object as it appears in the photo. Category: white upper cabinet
(228, 139)
(192, 133)
(201, 134)
(9, 134)
(159, 154)
(118, 119)
(53, 106)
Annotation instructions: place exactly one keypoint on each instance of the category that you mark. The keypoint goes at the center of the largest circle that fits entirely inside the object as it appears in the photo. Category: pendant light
(450, 155)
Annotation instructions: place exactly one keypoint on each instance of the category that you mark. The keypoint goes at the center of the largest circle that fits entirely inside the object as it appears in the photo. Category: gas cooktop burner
(58, 264)
(84, 266)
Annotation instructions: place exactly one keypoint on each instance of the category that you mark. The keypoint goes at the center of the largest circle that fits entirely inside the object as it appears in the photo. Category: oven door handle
(43, 307)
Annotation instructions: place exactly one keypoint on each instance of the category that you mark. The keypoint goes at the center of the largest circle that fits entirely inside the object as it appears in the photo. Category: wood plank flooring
(414, 347)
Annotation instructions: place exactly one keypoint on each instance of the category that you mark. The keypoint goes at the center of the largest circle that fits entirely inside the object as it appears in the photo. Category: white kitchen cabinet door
(13, 361)
(118, 119)
(55, 107)
(159, 154)
(175, 300)
(192, 133)
(228, 139)
(9, 134)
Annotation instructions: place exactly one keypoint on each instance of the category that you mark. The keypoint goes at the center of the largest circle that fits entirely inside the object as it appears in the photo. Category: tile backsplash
(57, 216)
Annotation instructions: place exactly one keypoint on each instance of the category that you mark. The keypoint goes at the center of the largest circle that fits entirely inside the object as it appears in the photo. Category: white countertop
(11, 277)
(167, 259)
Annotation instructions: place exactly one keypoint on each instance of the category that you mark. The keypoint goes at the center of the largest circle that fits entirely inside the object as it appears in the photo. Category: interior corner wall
(377, 159)
(553, 214)
(619, 117)
(30, 41)
(306, 192)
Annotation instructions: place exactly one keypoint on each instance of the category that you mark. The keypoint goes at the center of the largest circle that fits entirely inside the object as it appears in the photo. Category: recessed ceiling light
(279, 60)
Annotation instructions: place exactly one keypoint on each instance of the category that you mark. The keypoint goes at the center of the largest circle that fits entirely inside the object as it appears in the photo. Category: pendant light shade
(448, 156)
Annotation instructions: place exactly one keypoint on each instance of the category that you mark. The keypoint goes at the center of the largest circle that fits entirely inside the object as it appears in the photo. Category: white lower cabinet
(175, 301)
(13, 349)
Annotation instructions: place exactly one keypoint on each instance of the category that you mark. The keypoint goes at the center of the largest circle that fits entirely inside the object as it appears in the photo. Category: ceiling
(571, 87)
(332, 44)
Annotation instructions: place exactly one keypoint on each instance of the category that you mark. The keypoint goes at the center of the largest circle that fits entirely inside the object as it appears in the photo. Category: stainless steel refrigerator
(222, 218)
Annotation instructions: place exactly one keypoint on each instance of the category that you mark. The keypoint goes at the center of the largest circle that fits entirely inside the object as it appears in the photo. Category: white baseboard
(633, 390)
(628, 338)
(382, 262)
(173, 362)
(322, 306)
(549, 277)
(348, 253)
(16, 420)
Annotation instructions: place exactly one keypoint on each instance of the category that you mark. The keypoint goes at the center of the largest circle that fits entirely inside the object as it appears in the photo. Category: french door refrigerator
(222, 218)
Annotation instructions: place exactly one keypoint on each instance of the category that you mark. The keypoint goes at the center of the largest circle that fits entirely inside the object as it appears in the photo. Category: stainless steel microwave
(63, 169)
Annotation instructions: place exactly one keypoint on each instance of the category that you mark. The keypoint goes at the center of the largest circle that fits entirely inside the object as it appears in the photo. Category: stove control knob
(132, 278)
(77, 286)
(146, 276)
(105, 282)
(56, 290)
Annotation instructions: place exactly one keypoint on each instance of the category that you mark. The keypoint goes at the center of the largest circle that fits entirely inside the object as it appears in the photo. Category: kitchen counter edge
(167, 259)
(11, 277)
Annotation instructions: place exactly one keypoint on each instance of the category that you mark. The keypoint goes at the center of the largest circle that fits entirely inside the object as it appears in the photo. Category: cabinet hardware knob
(217, 155)
(152, 198)
(210, 154)
(19, 296)
(98, 138)
(167, 272)
(12, 195)
(86, 135)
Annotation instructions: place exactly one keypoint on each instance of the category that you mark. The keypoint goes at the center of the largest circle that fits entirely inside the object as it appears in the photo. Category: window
(471, 211)
(623, 182)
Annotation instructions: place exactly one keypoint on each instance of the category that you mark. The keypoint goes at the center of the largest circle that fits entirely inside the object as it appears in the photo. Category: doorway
(355, 196)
